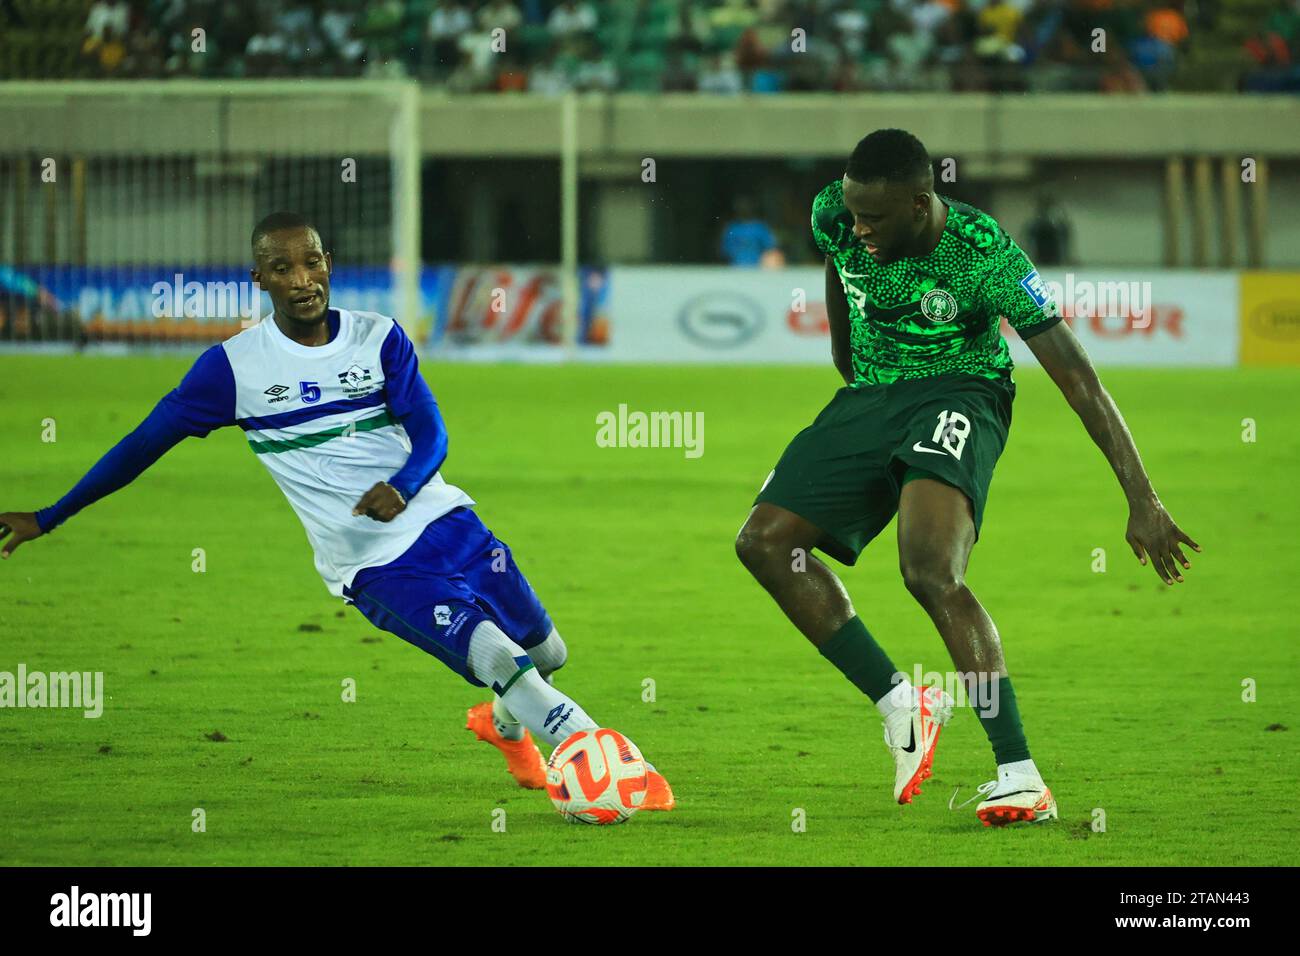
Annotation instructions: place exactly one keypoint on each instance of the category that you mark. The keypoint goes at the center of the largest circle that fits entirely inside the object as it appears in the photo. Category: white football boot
(1014, 798)
(911, 734)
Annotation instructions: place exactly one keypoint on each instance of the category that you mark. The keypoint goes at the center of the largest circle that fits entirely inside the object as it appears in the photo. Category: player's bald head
(281, 222)
(892, 156)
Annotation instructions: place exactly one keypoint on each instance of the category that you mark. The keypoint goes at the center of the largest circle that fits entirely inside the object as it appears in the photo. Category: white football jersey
(321, 419)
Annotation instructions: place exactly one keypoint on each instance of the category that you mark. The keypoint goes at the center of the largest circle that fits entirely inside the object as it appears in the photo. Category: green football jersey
(938, 314)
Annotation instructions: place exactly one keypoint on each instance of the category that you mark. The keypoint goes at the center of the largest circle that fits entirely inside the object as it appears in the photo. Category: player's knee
(930, 578)
(550, 654)
(758, 545)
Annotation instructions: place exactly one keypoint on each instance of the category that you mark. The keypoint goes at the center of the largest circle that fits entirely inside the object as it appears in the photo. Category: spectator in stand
(449, 21)
(909, 52)
(961, 38)
(733, 14)
(928, 15)
(572, 19)
(750, 54)
(549, 77)
(382, 31)
(1002, 19)
(500, 14)
(721, 76)
(1118, 75)
(595, 72)
(690, 32)
(535, 11)
(1168, 24)
(337, 24)
(264, 54)
(302, 38)
(468, 76)
(678, 77)
(108, 15)
(847, 76)
(512, 77)
(104, 56)
(143, 53)
(998, 45)
(1278, 43)
(747, 239)
(850, 23)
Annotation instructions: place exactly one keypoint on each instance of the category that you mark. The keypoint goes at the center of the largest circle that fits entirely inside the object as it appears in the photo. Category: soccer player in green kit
(916, 285)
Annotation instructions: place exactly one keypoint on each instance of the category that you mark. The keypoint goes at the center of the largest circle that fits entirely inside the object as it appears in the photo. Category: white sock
(505, 667)
(1023, 769)
(549, 656)
(901, 696)
(551, 715)
(506, 723)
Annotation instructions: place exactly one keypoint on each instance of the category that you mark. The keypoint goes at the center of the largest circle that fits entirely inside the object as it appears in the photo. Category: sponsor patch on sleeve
(1033, 285)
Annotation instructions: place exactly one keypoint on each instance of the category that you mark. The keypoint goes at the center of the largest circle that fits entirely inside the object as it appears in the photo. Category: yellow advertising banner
(1270, 318)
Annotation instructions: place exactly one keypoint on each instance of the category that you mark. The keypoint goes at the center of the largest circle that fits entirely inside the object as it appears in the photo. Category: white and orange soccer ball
(596, 776)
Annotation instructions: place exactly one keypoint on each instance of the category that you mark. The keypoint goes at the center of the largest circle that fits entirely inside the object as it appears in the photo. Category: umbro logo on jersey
(277, 390)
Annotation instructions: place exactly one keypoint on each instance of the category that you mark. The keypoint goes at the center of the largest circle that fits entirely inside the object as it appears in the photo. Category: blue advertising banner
(462, 308)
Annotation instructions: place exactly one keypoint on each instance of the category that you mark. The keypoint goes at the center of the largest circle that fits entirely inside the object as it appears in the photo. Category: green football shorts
(844, 472)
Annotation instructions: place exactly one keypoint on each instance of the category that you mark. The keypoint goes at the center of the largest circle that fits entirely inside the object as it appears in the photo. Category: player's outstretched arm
(125, 462)
(837, 314)
(204, 400)
(1151, 531)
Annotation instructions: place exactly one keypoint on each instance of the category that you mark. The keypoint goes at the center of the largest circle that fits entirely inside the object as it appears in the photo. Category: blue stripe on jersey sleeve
(205, 398)
(406, 389)
(311, 412)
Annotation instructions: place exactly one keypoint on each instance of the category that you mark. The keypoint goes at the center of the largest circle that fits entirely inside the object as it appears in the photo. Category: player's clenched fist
(382, 502)
(15, 528)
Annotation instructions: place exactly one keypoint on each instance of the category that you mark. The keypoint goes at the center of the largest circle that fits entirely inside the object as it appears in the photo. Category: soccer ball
(596, 776)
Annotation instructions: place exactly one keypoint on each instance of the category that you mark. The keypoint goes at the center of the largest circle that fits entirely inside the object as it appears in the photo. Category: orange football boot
(658, 795)
(523, 759)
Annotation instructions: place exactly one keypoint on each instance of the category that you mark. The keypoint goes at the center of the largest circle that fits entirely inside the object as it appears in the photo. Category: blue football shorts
(456, 575)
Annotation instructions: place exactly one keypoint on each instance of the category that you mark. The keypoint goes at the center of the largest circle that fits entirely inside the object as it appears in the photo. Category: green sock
(855, 652)
(1003, 727)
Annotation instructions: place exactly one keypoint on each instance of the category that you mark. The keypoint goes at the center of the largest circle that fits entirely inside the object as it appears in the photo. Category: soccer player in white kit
(333, 405)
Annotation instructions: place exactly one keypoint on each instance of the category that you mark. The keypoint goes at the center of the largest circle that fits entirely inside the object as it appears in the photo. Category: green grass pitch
(1131, 691)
